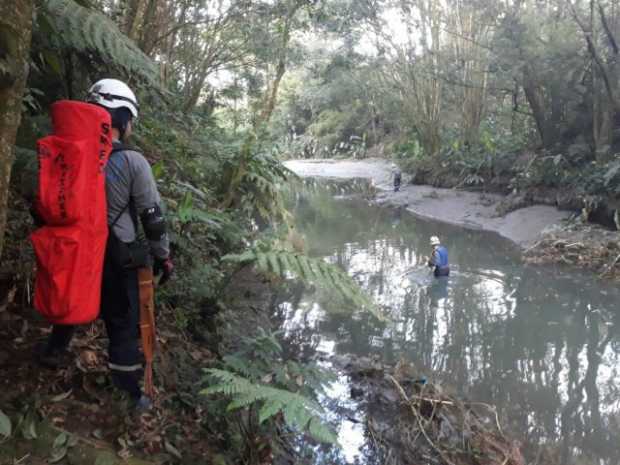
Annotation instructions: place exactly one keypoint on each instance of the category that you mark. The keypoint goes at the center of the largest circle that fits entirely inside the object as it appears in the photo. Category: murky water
(540, 343)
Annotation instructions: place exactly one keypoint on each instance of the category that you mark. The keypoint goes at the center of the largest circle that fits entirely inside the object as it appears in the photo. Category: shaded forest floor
(74, 415)
(79, 398)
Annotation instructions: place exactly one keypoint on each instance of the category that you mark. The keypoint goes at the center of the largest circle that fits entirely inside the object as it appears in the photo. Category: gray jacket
(131, 189)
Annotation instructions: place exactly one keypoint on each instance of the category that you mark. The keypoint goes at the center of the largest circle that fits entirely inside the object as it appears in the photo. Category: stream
(540, 343)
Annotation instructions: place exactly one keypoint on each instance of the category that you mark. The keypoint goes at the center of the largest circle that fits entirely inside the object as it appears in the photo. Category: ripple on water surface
(540, 343)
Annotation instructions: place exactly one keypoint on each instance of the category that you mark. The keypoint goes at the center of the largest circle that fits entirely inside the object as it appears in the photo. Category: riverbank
(474, 210)
(545, 233)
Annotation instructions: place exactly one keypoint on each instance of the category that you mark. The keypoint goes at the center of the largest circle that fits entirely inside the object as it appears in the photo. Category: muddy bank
(410, 421)
(582, 245)
(524, 226)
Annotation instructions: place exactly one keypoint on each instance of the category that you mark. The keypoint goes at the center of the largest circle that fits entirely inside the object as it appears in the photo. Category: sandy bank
(468, 209)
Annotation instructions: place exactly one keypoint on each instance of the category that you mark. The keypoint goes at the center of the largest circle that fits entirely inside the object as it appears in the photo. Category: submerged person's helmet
(435, 241)
(113, 94)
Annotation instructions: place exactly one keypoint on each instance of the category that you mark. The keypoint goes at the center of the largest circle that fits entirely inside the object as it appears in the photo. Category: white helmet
(435, 240)
(112, 93)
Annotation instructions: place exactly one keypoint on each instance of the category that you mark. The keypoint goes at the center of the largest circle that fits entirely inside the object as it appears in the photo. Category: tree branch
(610, 36)
(595, 56)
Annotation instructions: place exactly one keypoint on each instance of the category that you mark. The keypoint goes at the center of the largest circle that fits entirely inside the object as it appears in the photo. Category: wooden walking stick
(147, 325)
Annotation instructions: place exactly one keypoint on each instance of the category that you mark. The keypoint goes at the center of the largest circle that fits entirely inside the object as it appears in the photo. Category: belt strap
(147, 325)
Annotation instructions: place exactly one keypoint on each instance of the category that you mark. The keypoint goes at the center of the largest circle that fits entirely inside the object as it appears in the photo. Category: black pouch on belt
(128, 255)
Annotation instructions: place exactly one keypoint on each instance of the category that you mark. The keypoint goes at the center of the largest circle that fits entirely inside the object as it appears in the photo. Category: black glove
(165, 267)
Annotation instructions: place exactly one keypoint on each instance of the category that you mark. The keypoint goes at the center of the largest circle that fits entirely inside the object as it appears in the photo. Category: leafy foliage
(311, 270)
(257, 375)
(256, 182)
(299, 411)
(74, 27)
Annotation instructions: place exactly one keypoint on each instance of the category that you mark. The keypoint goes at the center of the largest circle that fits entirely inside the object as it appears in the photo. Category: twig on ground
(532, 247)
(419, 421)
(610, 266)
(493, 409)
(17, 462)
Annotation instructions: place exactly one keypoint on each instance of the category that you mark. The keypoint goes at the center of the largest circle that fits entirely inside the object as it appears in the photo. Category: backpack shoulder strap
(120, 147)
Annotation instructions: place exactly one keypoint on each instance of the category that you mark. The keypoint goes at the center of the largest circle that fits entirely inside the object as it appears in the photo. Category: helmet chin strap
(122, 131)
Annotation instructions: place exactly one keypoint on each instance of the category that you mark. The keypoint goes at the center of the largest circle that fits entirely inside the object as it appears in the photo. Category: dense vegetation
(508, 96)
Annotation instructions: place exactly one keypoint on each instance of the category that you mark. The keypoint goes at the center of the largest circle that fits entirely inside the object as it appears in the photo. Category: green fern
(299, 412)
(83, 30)
(312, 270)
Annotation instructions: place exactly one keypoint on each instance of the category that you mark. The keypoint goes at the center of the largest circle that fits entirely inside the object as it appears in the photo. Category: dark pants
(120, 311)
(397, 180)
(442, 271)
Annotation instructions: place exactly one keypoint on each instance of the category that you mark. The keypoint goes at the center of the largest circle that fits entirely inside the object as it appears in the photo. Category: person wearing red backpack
(132, 200)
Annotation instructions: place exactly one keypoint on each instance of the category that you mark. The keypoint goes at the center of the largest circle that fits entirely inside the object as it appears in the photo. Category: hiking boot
(52, 358)
(143, 404)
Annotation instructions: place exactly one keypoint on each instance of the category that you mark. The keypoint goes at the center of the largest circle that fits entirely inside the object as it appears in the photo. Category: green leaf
(60, 440)
(30, 431)
(158, 170)
(321, 433)
(172, 450)
(58, 454)
(5, 425)
(72, 441)
(268, 410)
(274, 263)
(87, 31)
(262, 261)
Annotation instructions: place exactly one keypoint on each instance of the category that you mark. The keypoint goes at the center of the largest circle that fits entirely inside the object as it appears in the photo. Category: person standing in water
(439, 258)
(397, 175)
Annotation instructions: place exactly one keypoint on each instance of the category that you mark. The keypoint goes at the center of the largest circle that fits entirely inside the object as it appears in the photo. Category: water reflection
(540, 343)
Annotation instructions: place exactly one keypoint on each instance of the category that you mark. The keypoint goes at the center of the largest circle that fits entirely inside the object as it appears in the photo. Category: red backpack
(71, 201)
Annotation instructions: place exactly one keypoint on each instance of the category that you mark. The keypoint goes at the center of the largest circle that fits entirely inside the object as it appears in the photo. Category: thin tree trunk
(15, 35)
(135, 20)
(272, 94)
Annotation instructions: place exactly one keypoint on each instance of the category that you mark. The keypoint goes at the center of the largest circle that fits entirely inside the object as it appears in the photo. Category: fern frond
(239, 365)
(87, 31)
(269, 409)
(313, 270)
(299, 411)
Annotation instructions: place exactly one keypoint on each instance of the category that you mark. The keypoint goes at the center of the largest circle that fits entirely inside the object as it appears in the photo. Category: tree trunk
(15, 35)
(545, 125)
(135, 19)
(272, 94)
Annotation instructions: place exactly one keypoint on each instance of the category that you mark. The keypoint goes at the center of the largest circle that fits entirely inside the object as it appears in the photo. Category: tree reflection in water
(540, 343)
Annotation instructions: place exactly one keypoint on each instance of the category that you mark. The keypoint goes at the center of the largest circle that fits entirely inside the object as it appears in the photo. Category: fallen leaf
(62, 396)
(172, 450)
(73, 441)
(58, 455)
(60, 440)
(89, 358)
(5, 425)
(31, 431)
